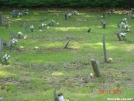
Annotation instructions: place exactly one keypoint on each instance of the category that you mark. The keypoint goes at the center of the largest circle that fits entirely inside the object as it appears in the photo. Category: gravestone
(65, 47)
(0, 19)
(25, 12)
(9, 46)
(0, 50)
(104, 48)
(4, 44)
(95, 67)
(6, 22)
(12, 34)
(121, 26)
(65, 16)
(14, 13)
(25, 27)
(103, 24)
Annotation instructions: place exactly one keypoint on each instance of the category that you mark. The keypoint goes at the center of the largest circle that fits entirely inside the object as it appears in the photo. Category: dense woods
(65, 3)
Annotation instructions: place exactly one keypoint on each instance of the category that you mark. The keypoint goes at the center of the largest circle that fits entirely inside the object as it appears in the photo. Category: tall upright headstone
(0, 50)
(0, 19)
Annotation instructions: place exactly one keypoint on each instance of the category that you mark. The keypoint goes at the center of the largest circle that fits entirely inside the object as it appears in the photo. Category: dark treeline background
(66, 3)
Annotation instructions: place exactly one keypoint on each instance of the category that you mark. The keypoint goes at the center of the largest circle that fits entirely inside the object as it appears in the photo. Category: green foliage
(63, 3)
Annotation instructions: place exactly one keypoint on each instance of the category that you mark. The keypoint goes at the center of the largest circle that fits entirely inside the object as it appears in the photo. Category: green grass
(33, 74)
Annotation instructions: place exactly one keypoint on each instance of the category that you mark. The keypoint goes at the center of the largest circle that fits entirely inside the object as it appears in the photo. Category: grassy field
(33, 73)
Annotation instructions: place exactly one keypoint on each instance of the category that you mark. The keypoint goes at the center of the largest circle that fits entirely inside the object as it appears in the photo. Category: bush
(63, 3)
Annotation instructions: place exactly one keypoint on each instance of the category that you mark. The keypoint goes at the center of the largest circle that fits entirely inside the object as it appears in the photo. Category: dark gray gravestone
(66, 44)
(65, 16)
(0, 50)
(14, 13)
(12, 34)
(25, 27)
(95, 67)
(104, 48)
(0, 19)
(4, 44)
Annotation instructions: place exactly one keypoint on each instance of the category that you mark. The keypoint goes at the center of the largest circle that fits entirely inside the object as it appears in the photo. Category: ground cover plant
(39, 63)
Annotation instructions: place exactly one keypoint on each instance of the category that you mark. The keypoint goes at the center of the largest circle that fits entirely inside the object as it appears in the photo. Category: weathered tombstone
(65, 47)
(65, 16)
(9, 46)
(68, 36)
(0, 19)
(104, 48)
(95, 67)
(12, 34)
(104, 25)
(0, 50)
(14, 13)
(25, 12)
(25, 27)
(121, 26)
(118, 36)
(4, 44)
(6, 21)
(55, 95)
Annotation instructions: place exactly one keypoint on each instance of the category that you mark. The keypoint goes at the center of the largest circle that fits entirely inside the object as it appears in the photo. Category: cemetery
(66, 55)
